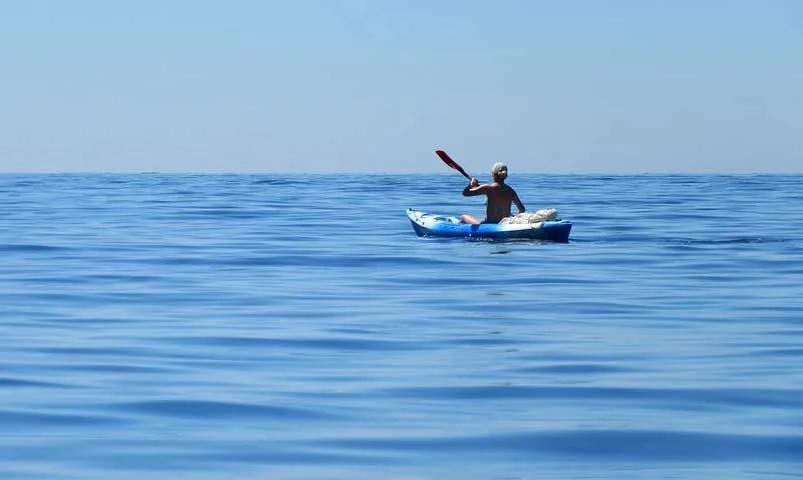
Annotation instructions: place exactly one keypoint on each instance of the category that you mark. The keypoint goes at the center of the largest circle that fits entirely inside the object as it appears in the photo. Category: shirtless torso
(500, 199)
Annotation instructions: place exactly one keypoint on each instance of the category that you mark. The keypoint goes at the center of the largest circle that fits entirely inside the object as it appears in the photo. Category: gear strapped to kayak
(431, 225)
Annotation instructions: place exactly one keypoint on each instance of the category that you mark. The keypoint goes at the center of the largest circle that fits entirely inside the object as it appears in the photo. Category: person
(500, 196)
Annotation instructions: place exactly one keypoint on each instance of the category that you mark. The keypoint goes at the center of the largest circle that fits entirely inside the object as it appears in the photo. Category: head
(499, 172)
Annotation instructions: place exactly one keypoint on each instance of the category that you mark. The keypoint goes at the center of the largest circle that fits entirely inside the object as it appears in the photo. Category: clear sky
(375, 86)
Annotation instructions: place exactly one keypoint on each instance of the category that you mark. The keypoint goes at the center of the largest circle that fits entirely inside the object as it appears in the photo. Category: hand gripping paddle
(451, 163)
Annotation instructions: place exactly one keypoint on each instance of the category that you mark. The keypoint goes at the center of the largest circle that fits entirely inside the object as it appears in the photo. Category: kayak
(431, 225)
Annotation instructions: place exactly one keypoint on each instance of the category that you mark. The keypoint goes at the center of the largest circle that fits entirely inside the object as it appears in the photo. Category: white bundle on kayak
(540, 216)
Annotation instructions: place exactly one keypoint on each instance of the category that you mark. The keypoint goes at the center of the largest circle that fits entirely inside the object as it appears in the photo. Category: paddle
(451, 163)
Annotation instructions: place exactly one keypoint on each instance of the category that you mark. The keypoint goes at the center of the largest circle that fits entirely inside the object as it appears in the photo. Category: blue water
(293, 327)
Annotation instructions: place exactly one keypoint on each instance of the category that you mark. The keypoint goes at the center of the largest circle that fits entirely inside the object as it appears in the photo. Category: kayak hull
(431, 225)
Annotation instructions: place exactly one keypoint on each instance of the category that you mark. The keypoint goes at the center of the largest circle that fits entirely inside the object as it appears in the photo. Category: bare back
(500, 198)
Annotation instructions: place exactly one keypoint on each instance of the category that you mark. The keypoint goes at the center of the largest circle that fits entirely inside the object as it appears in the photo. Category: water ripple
(690, 397)
(630, 445)
(209, 410)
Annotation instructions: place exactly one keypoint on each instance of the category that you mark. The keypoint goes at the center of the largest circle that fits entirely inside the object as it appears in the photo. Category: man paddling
(500, 196)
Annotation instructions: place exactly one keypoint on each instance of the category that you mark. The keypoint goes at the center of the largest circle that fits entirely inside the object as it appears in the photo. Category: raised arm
(474, 188)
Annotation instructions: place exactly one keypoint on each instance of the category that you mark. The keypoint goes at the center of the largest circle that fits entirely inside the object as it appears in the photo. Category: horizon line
(351, 172)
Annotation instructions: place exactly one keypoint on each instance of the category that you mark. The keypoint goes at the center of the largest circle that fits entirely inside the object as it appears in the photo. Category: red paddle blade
(451, 163)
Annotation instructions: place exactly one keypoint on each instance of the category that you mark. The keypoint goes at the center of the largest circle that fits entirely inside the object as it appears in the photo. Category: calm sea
(294, 327)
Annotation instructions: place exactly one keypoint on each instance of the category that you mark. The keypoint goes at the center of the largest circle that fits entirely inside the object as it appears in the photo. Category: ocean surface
(294, 327)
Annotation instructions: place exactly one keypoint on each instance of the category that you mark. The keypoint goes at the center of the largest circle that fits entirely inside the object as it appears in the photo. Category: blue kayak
(430, 225)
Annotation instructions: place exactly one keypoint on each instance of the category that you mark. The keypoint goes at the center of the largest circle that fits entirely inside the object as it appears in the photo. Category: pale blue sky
(375, 86)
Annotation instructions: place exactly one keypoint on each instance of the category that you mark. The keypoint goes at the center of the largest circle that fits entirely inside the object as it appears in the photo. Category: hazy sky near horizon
(376, 86)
